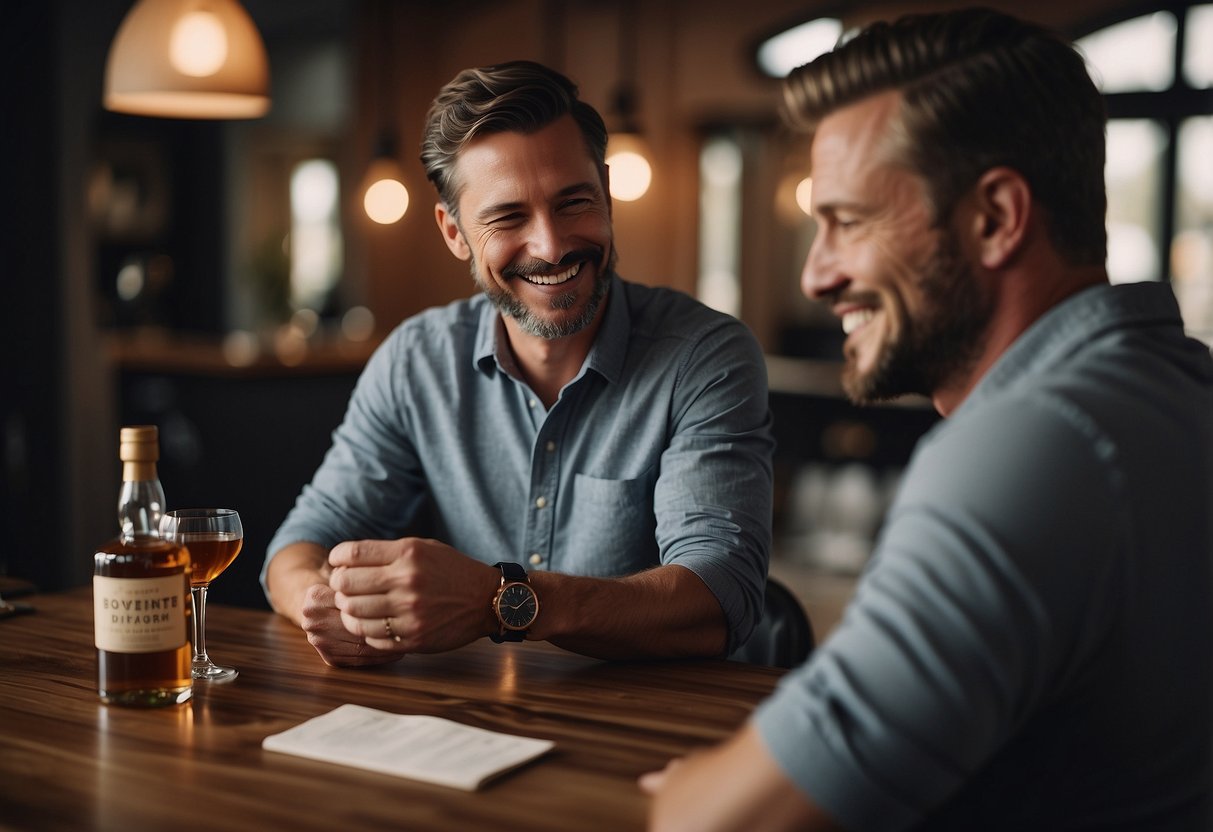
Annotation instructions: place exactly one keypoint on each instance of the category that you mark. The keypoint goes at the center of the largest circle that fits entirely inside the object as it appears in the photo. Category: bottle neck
(140, 504)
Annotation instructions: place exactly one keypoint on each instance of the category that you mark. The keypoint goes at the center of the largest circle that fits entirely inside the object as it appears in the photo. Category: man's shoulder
(664, 311)
(440, 325)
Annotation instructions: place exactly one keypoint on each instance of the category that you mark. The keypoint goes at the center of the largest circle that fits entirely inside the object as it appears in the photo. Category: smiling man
(1030, 647)
(593, 457)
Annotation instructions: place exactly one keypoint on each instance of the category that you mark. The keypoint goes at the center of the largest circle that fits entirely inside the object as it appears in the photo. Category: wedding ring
(387, 625)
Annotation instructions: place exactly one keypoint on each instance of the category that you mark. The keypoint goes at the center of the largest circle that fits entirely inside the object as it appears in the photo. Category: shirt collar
(607, 355)
(610, 350)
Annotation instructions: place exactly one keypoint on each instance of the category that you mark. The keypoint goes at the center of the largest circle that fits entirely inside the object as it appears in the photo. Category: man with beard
(1029, 647)
(594, 456)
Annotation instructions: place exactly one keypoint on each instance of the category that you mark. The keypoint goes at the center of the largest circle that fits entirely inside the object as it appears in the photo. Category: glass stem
(199, 595)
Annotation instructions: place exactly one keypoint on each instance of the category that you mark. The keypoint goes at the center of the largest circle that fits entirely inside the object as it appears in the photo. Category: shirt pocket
(611, 529)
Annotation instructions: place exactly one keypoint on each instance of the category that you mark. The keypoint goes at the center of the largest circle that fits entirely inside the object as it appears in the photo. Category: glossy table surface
(69, 762)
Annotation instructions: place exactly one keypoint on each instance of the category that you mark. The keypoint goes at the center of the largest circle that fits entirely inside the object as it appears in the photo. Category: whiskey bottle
(141, 590)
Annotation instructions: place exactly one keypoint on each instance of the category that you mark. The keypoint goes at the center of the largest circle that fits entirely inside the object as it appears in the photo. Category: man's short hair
(979, 89)
(519, 96)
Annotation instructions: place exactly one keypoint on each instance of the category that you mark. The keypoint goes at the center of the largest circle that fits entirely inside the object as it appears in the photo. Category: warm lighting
(198, 46)
(188, 59)
(804, 195)
(628, 166)
(384, 197)
(627, 153)
(358, 324)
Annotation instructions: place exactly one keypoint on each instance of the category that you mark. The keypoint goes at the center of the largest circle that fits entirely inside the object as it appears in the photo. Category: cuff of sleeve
(811, 750)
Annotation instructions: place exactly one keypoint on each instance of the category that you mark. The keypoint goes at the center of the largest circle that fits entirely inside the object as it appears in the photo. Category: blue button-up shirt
(657, 452)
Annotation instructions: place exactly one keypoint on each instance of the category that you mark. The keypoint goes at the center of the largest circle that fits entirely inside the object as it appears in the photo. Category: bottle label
(139, 615)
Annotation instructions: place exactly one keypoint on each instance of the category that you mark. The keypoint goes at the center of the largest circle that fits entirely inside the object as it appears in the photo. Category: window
(315, 237)
(720, 224)
(1156, 73)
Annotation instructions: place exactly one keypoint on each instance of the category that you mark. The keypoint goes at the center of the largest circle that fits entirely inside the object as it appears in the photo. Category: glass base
(214, 673)
(154, 698)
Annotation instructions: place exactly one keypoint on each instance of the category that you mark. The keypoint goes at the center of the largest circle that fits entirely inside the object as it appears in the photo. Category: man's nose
(821, 275)
(545, 240)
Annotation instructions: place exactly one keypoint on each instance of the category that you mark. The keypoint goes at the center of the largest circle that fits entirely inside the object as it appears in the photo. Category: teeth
(553, 279)
(852, 321)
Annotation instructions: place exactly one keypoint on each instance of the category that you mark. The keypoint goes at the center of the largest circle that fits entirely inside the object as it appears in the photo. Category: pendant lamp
(188, 59)
(384, 195)
(627, 152)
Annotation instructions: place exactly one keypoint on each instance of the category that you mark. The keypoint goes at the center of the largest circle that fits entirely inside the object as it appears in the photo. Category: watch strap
(510, 572)
(503, 635)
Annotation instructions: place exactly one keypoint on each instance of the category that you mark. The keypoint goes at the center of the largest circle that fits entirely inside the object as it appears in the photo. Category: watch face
(517, 606)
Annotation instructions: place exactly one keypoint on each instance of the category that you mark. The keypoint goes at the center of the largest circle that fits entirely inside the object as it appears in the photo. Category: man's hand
(735, 786)
(321, 621)
(298, 580)
(433, 597)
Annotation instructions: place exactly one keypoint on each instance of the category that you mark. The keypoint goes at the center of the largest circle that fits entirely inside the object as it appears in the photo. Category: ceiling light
(188, 59)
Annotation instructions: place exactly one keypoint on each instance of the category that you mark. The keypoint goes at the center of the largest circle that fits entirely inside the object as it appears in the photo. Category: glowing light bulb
(804, 195)
(630, 172)
(385, 201)
(198, 44)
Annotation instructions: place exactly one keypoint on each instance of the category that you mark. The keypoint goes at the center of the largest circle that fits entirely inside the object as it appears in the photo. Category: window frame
(1169, 107)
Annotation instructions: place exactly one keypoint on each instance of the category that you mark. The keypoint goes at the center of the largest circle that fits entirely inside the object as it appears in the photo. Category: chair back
(784, 637)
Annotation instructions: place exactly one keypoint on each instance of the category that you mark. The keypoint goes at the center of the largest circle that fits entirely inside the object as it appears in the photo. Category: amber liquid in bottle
(141, 592)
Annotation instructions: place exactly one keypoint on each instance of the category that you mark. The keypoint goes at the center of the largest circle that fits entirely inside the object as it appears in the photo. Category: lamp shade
(188, 59)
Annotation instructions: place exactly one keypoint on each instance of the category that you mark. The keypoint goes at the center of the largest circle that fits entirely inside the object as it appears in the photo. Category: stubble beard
(937, 346)
(531, 323)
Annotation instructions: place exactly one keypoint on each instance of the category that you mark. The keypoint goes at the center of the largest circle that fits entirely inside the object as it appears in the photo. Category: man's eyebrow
(498, 208)
(831, 208)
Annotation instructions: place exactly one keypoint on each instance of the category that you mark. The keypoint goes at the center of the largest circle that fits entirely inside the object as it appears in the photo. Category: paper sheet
(425, 748)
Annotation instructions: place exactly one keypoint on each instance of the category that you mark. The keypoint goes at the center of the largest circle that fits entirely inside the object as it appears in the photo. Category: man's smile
(855, 318)
(552, 279)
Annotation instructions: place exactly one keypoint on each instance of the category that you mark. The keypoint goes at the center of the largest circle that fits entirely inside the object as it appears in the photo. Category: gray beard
(532, 324)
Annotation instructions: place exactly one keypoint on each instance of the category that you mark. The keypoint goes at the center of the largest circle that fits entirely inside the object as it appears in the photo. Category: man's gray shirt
(658, 452)
(1031, 645)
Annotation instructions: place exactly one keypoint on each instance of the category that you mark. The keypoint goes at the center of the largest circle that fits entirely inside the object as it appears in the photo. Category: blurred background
(224, 278)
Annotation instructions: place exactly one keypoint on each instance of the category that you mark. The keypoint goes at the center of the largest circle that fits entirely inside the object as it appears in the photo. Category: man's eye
(506, 219)
(578, 202)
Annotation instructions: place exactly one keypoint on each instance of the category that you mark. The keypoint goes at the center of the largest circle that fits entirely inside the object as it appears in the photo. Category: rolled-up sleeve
(713, 499)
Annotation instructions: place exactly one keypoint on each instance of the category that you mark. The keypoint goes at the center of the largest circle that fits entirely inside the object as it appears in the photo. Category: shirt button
(531, 403)
(551, 446)
(536, 559)
(541, 502)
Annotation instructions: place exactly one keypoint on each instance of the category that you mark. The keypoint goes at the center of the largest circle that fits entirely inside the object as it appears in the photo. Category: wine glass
(214, 537)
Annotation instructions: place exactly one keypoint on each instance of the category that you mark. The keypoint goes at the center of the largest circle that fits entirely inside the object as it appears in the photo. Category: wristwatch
(516, 605)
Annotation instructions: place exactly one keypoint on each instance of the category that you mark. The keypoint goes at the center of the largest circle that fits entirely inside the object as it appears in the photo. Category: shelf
(237, 355)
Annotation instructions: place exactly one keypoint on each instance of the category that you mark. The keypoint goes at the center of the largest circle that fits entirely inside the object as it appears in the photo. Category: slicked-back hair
(979, 89)
(519, 96)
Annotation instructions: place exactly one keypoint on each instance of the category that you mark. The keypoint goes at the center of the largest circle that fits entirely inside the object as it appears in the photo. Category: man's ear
(452, 235)
(1003, 210)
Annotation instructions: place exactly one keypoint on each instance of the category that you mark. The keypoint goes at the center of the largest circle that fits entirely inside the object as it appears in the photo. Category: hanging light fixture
(188, 59)
(384, 196)
(627, 153)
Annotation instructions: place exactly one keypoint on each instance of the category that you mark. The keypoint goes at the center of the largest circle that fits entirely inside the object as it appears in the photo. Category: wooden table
(69, 762)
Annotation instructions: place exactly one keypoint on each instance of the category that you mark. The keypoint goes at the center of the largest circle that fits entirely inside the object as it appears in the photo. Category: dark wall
(248, 443)
(31, 329)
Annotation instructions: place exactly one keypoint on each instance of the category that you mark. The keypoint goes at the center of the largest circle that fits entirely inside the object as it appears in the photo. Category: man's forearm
(667, 611)
(291, 571)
